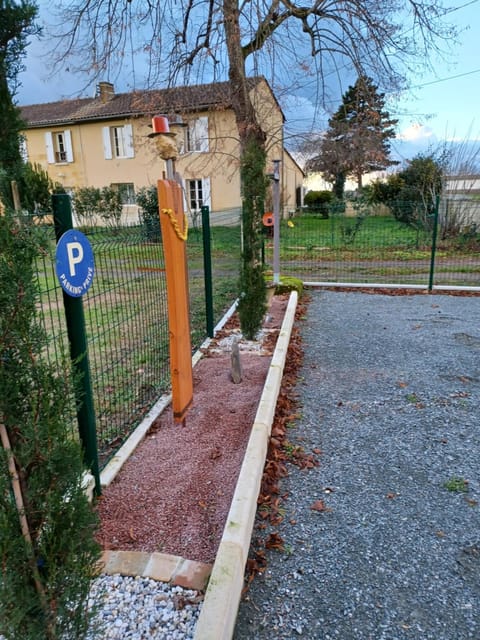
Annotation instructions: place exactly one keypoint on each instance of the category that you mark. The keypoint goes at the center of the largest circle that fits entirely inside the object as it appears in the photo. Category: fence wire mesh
(127, 331)
(226, 250)
(126, 316)
(375, 249)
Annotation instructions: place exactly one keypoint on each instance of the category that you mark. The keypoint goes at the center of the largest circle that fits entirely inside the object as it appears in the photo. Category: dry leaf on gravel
(318, 505)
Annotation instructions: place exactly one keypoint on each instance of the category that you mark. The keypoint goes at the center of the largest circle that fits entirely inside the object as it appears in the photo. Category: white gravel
(390, 388)
(140, 609)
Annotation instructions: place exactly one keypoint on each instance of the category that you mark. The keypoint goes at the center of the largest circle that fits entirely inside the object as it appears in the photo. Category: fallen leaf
(471, 502)
(317, 450)
(440, 533)
(274, 541)
(402, 384)
(215, 453)
(132, 536)
(202, 503)
(318, 505)
(391, 496)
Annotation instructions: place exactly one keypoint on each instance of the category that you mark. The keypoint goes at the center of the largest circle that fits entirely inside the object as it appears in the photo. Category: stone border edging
(157, 566)
(222, 598)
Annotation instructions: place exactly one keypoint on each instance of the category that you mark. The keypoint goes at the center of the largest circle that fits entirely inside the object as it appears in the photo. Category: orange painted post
(174, 228)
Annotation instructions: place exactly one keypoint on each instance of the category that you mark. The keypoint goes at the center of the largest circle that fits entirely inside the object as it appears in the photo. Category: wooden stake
(17, 492)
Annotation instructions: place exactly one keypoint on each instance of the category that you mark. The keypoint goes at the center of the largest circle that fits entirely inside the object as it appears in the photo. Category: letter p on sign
(75, 256)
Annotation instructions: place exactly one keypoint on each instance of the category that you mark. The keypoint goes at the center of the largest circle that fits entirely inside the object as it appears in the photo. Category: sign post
(75, 271)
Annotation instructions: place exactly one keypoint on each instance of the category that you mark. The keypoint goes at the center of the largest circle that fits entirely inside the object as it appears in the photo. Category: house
(103, 141)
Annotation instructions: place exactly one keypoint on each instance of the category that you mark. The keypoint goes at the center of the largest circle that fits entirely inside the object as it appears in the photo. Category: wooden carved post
(174, 228)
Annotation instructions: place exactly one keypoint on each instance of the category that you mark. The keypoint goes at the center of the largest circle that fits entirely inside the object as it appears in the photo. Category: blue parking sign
(74, 263)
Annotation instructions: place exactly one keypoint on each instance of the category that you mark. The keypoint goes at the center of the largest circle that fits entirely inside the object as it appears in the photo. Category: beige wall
(89, 167)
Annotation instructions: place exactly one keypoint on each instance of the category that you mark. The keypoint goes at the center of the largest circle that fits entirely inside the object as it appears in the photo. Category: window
(118, 142)
(126, 191)
(196, 135)
(22, 145)
(198, 194)
(59, 146)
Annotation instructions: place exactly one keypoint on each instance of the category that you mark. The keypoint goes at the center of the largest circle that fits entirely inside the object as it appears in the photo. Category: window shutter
(49, 147)
(207, 200)
(107, 143)
(201, 134)
(128, 140)
(68, 145)
(23, 148)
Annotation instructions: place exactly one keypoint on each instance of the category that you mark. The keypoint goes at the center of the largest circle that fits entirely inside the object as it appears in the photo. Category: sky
(443, 104)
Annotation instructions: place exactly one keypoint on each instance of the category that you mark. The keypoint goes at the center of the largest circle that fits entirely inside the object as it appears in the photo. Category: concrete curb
(222, 598)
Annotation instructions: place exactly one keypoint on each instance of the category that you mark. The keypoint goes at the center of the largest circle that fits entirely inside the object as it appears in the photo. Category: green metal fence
(127, 329)
(126, 316)
(377, 249)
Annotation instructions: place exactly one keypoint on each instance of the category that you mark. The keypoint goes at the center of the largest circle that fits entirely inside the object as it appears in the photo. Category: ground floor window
(198, 193)
(126, 191)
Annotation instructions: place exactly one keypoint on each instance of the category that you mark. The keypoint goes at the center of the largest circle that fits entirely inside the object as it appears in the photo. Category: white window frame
(196, 136)
(118, 142)
(59, 146)
(125, 189)
(200, 187)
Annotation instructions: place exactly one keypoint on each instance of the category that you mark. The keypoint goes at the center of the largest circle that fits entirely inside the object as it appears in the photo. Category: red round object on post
(268, 219)
(160, 124)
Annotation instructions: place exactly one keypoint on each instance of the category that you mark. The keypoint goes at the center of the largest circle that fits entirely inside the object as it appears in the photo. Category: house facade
(103, 141)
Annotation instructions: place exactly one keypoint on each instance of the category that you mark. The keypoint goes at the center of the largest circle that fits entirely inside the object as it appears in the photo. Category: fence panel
(373, 249)
(226, 249)
(127, 331)
(126, 316)
(457, 256)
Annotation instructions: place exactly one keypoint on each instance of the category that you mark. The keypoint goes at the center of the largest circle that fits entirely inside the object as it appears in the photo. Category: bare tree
(219, 39)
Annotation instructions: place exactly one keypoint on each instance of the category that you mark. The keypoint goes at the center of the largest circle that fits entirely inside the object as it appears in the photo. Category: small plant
(287, 284)
(456, 485)
(412, 398)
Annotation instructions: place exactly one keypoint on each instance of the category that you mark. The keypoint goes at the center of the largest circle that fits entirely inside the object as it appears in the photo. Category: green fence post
(207, 269)
(434, 243)
(62, 212)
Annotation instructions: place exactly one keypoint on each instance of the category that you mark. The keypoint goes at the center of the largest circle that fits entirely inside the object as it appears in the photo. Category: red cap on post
(160, 124)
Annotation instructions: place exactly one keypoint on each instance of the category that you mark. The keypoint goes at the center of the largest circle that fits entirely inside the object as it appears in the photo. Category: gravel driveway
(390, 390)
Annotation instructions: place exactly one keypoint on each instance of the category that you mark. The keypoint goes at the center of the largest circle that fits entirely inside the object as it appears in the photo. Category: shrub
(48, 562)
(147, 201)
(319, 202)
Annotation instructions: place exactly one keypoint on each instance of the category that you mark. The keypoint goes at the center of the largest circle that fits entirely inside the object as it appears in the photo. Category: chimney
(105, 91)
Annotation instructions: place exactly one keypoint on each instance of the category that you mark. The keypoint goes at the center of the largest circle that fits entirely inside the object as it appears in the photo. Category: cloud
(417, 132)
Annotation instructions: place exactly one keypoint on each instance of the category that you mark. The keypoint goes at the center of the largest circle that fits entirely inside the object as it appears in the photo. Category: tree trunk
(252, 303)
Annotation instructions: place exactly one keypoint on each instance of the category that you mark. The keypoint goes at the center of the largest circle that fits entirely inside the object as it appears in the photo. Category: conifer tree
(357, 140)
(48, 555)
